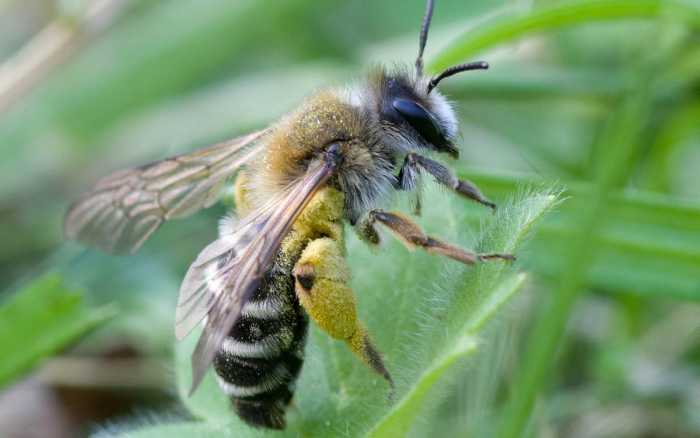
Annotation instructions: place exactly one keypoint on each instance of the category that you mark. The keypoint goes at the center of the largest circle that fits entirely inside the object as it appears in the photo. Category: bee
(334, 161)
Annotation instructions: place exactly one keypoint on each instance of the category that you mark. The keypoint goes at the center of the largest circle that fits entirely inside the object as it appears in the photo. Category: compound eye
(420, 120)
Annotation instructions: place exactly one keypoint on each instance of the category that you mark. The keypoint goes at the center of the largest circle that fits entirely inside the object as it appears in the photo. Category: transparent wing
(227, 272)
(203, 282)
(126, 207)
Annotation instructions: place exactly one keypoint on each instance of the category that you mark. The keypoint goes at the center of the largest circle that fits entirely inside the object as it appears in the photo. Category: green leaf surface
(38, 321)
(399, 420)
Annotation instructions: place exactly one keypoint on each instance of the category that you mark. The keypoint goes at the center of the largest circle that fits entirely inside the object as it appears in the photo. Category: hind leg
(322, 277)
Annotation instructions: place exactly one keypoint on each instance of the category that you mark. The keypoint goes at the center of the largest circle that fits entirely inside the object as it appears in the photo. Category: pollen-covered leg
(322, 277)
(410, 173)
(412, 236)
(361, 344)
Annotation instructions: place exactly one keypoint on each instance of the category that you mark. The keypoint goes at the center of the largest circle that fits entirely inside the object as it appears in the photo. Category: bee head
(411, 118)
(424, 123)
(412, 111)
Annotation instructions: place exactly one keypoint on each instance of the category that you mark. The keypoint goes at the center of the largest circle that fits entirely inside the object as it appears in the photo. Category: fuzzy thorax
(302, 136)
(300, 139)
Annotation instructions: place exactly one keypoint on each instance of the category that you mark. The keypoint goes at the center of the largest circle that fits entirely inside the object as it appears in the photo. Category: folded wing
(227, 272)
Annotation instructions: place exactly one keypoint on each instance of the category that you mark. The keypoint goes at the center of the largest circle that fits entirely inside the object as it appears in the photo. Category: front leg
(412, 236)
(321, 284)
(409, 178)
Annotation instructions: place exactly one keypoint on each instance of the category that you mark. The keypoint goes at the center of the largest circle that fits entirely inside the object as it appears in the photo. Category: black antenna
(479, 65)
(424, 35)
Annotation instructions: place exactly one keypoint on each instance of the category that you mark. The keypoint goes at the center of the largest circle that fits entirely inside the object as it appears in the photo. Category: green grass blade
(681, 125)
(509, 28)
(615, 150)
(39, 320)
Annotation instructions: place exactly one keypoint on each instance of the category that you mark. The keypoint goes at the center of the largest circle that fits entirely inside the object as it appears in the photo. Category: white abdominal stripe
(268, 347)
(269, 308)
(279, 376)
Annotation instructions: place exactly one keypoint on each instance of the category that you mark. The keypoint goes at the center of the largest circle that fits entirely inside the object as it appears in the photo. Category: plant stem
(49, 48)
(617, 148)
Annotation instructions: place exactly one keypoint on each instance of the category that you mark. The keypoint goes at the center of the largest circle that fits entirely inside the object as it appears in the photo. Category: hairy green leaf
(649, 244)
(438, 310)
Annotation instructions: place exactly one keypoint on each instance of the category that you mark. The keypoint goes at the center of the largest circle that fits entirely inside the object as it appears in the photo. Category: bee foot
(487, 257)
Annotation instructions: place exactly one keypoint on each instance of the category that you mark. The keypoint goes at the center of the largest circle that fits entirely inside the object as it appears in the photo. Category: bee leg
(412, 236)
(417, 205)
(409, 179)
(321, 284)
(367, 232)
(410, 173)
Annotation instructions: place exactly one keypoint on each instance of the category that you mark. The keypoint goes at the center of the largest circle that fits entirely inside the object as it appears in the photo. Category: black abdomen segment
(259, 362)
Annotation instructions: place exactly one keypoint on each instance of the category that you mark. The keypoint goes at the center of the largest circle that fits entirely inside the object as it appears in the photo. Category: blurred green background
(600, 98)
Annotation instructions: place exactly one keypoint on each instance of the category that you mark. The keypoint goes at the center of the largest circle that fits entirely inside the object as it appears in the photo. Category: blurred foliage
(39, 321)
(598, 96)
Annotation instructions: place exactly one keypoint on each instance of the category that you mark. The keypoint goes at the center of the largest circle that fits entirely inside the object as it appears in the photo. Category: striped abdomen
(260, 359)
